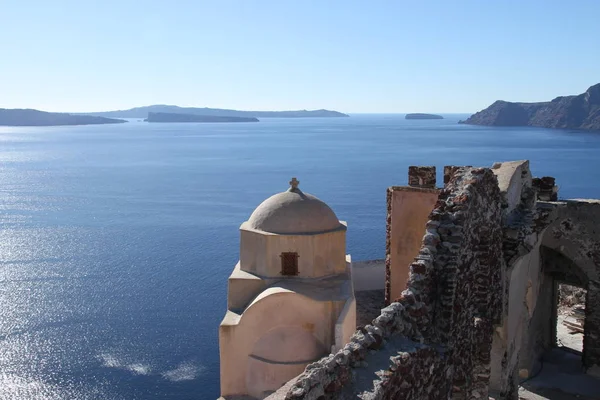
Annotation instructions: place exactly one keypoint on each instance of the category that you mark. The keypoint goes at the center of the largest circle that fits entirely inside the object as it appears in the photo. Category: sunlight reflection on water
(116, 241)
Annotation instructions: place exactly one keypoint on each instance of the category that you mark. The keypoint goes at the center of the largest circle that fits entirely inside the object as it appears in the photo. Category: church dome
(293, 212)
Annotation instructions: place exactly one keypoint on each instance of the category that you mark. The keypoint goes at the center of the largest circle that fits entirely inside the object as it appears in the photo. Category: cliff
(566, 112)
(174, 117)
(142, 112)
(423, 116)
(28, 117)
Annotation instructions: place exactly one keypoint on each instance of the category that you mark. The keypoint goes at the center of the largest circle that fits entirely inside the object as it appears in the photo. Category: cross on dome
(294, 183)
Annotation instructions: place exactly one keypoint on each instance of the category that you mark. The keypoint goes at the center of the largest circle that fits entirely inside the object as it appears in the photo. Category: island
(142, 112)
(30, 117)
(174, 117)
(423, 116)
(565, 112)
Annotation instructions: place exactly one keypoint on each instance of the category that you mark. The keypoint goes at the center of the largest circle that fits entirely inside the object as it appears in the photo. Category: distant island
(423, 116)
(29, 117)
(142, 112)
(174, 117)
(566, 112)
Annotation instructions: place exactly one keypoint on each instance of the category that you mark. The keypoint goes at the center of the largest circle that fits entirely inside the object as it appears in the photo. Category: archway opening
(569, 282)
(570, 317)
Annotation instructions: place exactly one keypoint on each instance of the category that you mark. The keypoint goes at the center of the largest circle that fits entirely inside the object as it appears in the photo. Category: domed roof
(293, 212)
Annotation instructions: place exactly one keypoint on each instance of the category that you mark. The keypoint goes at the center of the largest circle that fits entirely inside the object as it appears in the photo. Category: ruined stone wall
(573, 233)
(518, 207)
(421, 176)
(469, 269)
(475, 309)
(542, 242)
(434, 341)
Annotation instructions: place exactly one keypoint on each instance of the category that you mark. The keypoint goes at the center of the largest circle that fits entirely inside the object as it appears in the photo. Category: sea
(116, 241)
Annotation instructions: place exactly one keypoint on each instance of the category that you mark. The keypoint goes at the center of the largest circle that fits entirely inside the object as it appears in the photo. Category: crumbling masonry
(476, 311)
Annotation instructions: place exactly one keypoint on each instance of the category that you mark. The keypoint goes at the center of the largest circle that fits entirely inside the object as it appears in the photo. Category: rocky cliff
(174, 117)
(566, 112)
(28, 117)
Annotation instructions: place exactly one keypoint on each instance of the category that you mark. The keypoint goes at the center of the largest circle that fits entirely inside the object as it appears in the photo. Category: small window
(289, 264)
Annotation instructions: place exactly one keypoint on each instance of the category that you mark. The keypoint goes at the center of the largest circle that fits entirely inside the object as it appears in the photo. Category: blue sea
(116, 241)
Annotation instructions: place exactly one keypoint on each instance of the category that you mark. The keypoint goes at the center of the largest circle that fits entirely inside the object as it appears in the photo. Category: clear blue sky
(352, 56)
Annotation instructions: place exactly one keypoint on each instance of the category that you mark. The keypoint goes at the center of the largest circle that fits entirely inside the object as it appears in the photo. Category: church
(290, 297)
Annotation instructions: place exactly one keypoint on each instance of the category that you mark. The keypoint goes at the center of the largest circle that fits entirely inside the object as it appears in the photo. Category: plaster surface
(293, 212)
(276, 324)
(319, 254)
(410, 208)
(243, 346)
(512, 177)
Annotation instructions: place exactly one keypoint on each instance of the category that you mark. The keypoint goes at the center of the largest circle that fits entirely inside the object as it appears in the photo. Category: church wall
(253, 250)
(242, 288)
(329, 256)
(345, 324)
(288, 344)
(237, 339)
(262, 378)
(318, 255)
(281, 353)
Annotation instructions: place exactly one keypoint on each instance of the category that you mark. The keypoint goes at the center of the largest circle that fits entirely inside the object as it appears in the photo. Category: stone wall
(543, 243)
(473, 314)
(468, 302)
(432, 342)
(421, 177)
(518, 206)
(573, 234)
(546, 188)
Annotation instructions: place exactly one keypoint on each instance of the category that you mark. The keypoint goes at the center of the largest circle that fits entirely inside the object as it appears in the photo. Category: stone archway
(539, 330)
(560, 243)
(570, 253)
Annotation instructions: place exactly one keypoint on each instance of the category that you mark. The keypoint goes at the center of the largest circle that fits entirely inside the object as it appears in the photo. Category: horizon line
(234, 109)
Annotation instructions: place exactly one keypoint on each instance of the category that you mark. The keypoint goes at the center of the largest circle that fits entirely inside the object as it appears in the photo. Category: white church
(290, 298)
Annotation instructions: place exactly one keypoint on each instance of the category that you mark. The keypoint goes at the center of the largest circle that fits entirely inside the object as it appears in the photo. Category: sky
(452, 56)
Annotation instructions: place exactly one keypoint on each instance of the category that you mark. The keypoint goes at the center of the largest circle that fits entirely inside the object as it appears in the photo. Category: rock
(173, 117)
(142, 112)
(423, 116)
(28, 117)
(567, 112)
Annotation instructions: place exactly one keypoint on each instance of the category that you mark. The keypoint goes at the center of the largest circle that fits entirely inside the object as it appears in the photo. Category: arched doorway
(567, 280)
